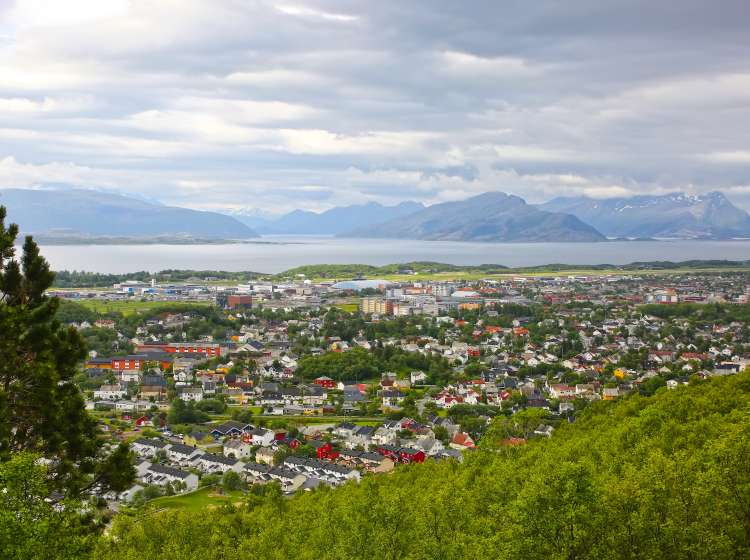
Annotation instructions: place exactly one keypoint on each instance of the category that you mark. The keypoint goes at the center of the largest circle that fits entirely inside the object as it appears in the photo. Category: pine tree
(41, 410)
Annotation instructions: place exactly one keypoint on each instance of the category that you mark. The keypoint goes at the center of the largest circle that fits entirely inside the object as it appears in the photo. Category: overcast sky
(222, 104)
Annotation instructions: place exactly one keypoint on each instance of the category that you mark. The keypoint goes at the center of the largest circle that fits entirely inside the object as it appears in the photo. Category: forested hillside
(647, 477)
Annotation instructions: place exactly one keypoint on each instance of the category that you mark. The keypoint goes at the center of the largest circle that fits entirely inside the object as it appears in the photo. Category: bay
(278, 253)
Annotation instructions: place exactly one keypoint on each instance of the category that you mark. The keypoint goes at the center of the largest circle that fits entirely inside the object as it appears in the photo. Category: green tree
(644, 477)
(31, 526)
(231, 481)
(185, 413)
(41, 410)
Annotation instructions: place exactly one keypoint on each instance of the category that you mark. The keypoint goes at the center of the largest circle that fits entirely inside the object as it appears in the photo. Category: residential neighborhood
(304, 383)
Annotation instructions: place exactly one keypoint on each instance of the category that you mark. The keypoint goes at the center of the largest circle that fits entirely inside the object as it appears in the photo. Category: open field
(348, 307)
(479, 275)
(199, 500)
(128, 307)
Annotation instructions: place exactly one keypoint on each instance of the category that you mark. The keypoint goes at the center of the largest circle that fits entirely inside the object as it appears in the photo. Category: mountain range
(496, 216)
(335, 221)
(492, 216)
(87, 213)
(676, 215)
(67, 213)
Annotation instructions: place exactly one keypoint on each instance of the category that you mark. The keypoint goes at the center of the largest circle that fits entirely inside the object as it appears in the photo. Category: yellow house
(235, 395)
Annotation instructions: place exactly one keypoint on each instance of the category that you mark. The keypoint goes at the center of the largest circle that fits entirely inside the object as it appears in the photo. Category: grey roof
(183, 390)
(296, 461)
(231, 425)
(171, 471)
(311, 483)
(219, 459)
(281, 472)
(260, 431)
(151, 442)
(362, 455)
(365, 431)
(257, 468)
(182, 449)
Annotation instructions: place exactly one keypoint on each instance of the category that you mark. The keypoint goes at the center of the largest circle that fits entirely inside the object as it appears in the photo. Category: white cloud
(16, 174)
(25, 105)
(469, 65)
(305, 11)
(276, 78)
(732, 157)
(324, 142)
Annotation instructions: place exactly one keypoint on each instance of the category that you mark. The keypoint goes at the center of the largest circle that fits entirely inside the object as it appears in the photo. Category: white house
(161, 475)
(262, 436)
(188, 394)
(129, 376)
(110, 393)
(182, 454)
(237, 448)
(210, 463)
(147, 447)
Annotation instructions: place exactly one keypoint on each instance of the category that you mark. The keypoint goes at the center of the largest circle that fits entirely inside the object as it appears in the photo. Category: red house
(324, 449)
(325, 382)
(143, 421)
(401, 454)
(210, 350)
(409, 455)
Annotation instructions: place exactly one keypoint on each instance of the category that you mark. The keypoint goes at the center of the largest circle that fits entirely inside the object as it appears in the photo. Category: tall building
(375, 305)
(237, 301)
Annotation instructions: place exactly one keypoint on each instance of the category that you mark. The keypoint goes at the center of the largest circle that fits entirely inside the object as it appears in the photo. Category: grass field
(479, 275)
(204, 498)
(348, 307)
(130, 307)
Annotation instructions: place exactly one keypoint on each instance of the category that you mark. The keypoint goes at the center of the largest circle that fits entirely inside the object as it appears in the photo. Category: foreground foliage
(41, 410)
(31, 526)
(648, 477)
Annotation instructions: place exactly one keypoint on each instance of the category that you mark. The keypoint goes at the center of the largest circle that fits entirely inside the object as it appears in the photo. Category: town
(306, 383)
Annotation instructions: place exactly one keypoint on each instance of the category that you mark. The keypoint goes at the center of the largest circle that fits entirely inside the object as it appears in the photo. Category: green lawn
(446, 276)
(256, 410)
(583, 271)
(196, 501)
(348, 307)
(136, 306)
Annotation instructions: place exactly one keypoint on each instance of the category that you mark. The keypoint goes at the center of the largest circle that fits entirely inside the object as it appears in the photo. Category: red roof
(462, 438)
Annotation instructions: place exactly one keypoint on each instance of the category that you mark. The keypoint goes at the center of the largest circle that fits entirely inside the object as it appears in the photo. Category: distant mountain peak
(334, 220)
(490, 216)
(674, 215)
(105, 214)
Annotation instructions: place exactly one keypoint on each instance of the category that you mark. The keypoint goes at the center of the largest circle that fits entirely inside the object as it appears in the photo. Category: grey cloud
(358, 100)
